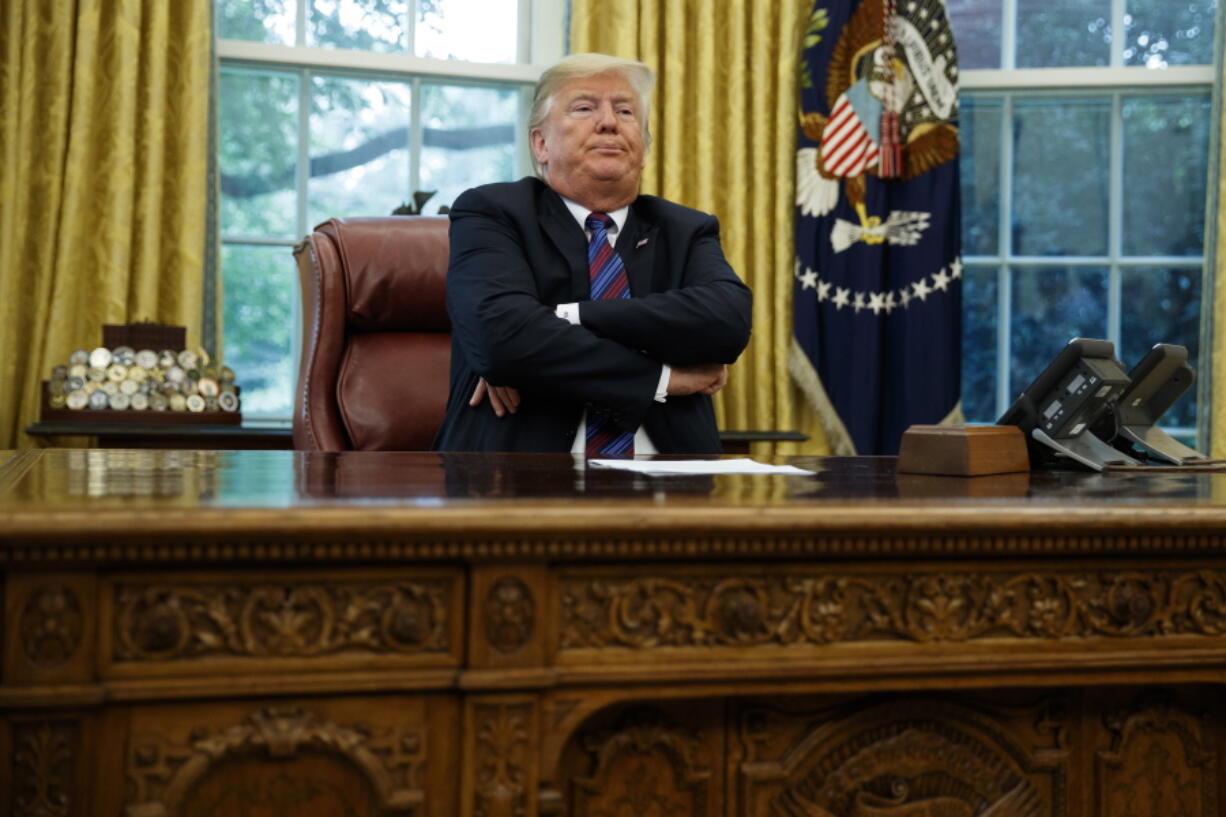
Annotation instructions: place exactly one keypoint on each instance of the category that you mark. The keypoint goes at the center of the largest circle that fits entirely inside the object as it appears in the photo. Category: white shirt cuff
(662, 386)
(568, 312)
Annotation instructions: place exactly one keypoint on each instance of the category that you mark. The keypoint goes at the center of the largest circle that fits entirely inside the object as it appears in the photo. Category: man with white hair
(586, 317)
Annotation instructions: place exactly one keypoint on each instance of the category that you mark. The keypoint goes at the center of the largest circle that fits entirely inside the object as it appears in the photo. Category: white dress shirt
(570, 312)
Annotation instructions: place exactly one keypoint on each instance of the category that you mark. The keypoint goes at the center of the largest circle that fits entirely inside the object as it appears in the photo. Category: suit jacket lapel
(567, 236)
(637, 246)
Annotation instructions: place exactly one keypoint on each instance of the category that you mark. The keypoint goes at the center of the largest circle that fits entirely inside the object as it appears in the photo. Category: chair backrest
(376, 338)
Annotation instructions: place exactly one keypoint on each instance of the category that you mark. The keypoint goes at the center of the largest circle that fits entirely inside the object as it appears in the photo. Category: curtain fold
(103, 171)
(723, 123)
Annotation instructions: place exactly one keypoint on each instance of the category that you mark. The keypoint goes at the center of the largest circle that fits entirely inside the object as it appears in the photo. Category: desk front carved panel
(173, 620)
(660, 760)
(1162, 759)
(804, 605)
(306, 759)
(905, 757)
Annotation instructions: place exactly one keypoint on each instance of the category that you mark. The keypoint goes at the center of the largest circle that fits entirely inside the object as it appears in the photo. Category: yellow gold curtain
(723, 124)
(103, 162)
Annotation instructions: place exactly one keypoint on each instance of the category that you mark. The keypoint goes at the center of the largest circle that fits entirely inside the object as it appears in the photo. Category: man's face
(591, 143)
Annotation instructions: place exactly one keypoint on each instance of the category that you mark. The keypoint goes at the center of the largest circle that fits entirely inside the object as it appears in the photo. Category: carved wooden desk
(269, 632)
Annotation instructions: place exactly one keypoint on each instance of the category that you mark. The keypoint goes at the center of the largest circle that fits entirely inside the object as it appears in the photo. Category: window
(1084, 168)
(346, 108)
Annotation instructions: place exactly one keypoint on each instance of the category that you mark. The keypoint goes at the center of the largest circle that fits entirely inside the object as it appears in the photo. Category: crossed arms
(506, 278)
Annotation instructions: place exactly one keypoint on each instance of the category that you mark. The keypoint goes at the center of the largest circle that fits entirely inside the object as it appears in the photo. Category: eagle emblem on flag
(909, 72)
(878, 274)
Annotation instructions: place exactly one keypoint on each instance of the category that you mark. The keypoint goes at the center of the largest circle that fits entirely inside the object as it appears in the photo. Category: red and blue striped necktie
(608, 279)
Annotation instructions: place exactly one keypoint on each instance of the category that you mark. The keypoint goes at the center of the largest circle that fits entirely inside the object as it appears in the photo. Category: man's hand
(503, 399)
(705, 379)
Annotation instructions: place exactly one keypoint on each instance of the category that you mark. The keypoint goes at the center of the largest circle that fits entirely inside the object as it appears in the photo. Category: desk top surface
(71, 492)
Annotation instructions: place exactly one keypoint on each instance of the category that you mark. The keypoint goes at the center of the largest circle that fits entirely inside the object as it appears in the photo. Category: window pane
(359, 147)
(476, 30)
(260, 292)
(364, 25)
(1063, 33)
(1060, 165)
(261, 21)
(1159, 33)
(1051, 305)
(979, 121)
(979, 322)
(976, 25)
(1162, 306)
(1166, 149)
(468, 138)
(258, 152)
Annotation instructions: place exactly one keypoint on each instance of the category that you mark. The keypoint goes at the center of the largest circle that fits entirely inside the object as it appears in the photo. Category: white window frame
(1009, 82)
(541, 43)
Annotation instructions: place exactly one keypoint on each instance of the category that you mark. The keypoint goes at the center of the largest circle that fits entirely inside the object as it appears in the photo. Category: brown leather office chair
(376, 341)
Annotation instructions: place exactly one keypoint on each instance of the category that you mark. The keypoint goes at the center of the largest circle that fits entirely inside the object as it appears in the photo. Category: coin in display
(99, 400)
(140, 402)
(76, 400)
(100, 358)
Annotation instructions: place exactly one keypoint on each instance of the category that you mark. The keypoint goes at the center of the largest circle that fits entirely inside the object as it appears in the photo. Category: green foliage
(259, 294)
(818, 21)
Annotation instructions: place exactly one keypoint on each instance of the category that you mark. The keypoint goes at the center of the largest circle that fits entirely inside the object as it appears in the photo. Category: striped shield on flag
(848, 144)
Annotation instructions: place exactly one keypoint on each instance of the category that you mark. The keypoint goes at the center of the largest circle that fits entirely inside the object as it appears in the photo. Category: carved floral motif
(42, 769)
(51, 626)
(503, 732)
(161, 773)
(509, 614)
(693, 611)
(167, 622)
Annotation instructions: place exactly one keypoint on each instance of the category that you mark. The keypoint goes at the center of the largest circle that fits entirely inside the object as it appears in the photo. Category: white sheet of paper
(660, 468)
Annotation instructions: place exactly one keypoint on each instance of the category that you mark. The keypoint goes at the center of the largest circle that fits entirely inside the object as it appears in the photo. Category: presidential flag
(878, 273)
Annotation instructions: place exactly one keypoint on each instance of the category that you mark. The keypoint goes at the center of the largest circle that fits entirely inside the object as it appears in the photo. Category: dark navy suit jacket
(517, 252)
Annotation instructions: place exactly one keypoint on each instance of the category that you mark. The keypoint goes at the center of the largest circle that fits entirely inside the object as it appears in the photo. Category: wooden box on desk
(964, 451)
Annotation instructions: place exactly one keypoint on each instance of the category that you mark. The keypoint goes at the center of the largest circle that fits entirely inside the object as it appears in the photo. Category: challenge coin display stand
(141, 374)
